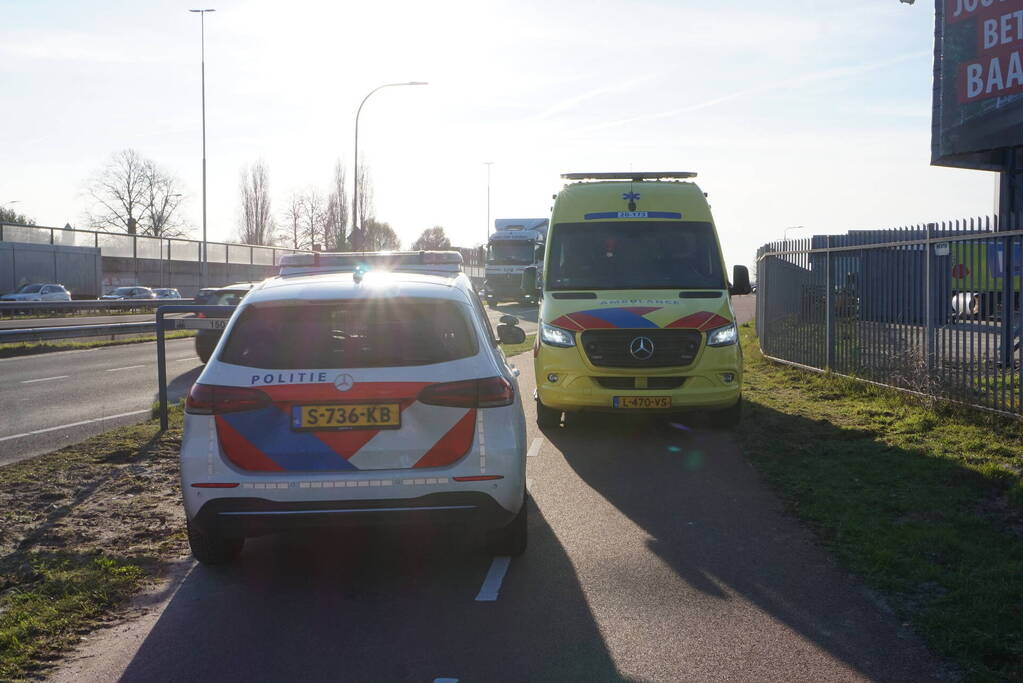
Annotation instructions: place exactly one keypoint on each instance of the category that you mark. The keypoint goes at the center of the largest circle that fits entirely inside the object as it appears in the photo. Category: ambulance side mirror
(740, 281)
(509, 332)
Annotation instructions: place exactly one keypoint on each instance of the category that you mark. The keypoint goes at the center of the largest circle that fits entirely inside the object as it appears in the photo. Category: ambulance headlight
(555, 336)
(723, 336)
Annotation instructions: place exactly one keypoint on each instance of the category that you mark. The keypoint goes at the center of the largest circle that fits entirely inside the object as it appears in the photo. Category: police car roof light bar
(634, 176)
(440, 262)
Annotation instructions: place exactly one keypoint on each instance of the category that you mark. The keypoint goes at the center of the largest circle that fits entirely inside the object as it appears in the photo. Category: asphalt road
(51, 400)
(656, 553)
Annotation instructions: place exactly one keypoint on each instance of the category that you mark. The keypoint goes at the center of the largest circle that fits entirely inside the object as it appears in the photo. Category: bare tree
(360, 237)
(312, 218)
(335, 218)
(161, 200)
(257, 222)
(380, 236)
(293, 217)
(432, 238)
(118, 191)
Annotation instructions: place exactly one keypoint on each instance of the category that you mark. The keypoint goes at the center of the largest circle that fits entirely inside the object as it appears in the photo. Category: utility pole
(202, 66)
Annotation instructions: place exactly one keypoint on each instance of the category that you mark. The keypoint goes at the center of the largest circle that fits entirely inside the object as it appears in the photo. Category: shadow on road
(716, 525)
(373, 605)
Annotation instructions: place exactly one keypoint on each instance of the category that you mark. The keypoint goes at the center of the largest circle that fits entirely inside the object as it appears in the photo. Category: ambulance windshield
(634, 255)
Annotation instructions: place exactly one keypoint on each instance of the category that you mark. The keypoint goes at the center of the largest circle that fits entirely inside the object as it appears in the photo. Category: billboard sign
(978, 82)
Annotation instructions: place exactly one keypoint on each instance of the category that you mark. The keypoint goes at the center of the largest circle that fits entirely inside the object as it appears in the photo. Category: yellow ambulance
(636, 314)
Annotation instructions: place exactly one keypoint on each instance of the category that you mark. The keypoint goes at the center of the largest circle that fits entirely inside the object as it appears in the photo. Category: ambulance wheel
(213, 549)
(547, 418)
(511, 539)
(492, 303)
(729, 417)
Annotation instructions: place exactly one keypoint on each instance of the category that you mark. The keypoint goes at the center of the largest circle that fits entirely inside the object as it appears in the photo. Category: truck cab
(515, 253)
(636, 314)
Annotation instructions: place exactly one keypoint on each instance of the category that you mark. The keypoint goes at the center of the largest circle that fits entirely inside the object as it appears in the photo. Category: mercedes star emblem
(642, 348)
(344, 382)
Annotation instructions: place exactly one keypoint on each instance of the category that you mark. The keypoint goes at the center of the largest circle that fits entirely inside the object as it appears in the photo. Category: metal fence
(123, 245)
(140, 259)
(119, 244)
(933, 309)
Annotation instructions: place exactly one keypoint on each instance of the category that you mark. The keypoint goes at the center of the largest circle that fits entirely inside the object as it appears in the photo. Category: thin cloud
(835, 74)
(572, 102)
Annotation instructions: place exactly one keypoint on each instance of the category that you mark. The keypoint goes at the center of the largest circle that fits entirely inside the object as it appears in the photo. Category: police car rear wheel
(213, 549)
(511, 539)
(547, 418)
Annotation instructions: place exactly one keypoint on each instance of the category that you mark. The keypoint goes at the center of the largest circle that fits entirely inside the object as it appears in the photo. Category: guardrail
(74, 331)
(87, 305)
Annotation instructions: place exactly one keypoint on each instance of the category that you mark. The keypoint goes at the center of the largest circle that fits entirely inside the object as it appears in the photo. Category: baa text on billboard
(978, 82)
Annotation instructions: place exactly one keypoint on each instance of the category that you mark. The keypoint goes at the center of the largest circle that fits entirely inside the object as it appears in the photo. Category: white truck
(515, 251)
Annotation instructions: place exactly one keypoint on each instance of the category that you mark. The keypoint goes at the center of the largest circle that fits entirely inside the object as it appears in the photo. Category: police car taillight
(492, 392)
(209, 399)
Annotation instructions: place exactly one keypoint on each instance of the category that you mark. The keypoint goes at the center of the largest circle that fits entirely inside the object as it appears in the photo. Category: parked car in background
(130, 293)
(167, 293)
(38, 292)
(229, 295)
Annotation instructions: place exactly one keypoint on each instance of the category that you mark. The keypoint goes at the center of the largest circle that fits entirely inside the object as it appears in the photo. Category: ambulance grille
(630, 383)
(671, 348)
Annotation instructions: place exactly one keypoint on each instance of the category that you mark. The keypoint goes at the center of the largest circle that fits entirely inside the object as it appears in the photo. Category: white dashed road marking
(534, 448)
(44, 379)
(129, 367)
(74, 424)
(492, 584)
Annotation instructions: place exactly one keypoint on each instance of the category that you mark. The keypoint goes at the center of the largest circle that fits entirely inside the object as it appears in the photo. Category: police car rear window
(350, 334)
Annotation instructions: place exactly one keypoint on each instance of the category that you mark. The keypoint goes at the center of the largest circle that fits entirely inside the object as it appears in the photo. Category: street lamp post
(355, 182)
(486, 235)
(202, 63)
(792, 227)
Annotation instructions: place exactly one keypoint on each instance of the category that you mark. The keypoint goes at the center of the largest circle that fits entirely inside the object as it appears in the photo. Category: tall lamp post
(202, 63)
(791, 227)
(486, 236)
(355, 182)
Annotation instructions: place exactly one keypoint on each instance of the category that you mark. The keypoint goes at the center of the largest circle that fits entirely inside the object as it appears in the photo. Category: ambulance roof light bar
(634, 176)
(435, 262)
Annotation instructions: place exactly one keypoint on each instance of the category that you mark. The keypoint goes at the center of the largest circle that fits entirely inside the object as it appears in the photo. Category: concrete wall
(77, 268)
(185, 276)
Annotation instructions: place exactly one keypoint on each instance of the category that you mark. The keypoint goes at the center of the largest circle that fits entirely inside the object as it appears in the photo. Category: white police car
(356, 389)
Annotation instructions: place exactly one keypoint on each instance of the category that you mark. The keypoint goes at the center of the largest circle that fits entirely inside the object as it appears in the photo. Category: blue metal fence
(927, 308)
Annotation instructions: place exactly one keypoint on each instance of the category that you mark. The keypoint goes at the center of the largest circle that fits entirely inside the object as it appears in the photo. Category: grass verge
(81, 531)
(925, 502)
(515, 349)
(32, 348)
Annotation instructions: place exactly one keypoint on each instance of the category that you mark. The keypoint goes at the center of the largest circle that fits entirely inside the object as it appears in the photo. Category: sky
(793, 113)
